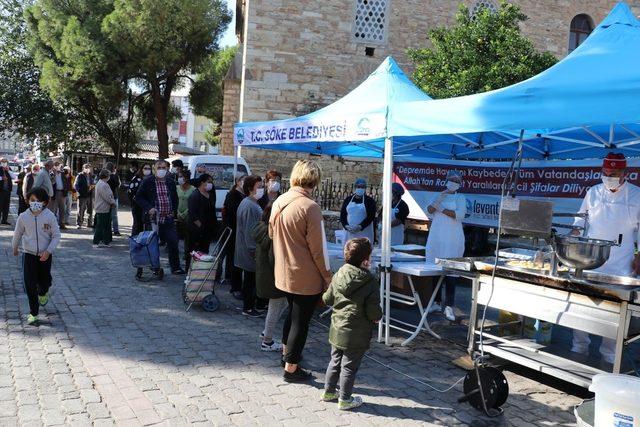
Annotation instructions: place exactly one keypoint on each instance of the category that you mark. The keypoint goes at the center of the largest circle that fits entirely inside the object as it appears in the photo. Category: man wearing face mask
(200, 169)
(358, 213)
(446, 237)
(85, 196)
(6, 184)
(272, 185)
(158, 197)
(136, 210)
(613, 208)
(176, 167)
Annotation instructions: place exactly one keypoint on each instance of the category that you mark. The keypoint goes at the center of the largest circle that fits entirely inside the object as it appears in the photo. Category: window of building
(581, 27)
(482, 4)
(175, 126)
(371, 21)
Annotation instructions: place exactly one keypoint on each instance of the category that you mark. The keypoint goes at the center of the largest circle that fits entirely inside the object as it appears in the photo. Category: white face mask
(274, 187)
(181, 180)
(146, 172)
(359, 192)
(173, 170)
(161, 173)
(36, 206)
(259, 193)
(611, 182)
(453, 186)
(4, 164)
(87, 171)
(208, 186)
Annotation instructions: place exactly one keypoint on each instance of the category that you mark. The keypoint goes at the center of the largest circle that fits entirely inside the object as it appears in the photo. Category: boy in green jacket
(355, 298)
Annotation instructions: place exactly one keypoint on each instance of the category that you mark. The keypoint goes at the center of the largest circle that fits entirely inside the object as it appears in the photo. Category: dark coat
(230, 208)
(83, 185)
(6, 178)
(354, 295)
(146, 196)
(203, 210)
(265, 263)
(369, 204)
(114, 184)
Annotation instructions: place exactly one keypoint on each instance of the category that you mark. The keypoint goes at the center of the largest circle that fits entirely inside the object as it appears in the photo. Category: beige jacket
(296, 229)
(104, 200)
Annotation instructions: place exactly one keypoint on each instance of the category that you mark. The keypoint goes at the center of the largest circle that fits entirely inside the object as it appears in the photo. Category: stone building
(303, 55)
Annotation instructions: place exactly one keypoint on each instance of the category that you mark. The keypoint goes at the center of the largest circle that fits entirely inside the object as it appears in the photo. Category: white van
(219, 167)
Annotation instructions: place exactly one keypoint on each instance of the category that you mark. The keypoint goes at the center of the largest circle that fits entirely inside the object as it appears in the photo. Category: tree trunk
(161, 122)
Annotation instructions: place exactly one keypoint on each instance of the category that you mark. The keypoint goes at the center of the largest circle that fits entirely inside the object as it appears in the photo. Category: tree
(477, 54)
(25, 108)
(80, 67)
(207, 92)
(164, 41)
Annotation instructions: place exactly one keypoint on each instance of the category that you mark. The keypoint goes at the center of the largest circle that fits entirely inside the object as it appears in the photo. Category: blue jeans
(168, 233)
(114, 218)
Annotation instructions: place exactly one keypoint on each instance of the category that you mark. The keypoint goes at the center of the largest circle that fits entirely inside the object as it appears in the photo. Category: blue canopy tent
(583, 107)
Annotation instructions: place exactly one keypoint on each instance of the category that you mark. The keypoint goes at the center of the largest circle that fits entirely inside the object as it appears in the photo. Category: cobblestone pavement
(114, 350)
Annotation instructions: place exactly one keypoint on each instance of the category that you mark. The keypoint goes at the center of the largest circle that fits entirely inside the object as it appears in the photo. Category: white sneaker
(95, 246)
(274, 346)
(435, 308)
(345, 405)
(449, 315)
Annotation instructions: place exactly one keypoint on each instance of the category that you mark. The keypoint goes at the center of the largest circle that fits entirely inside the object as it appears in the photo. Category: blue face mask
(359, 192)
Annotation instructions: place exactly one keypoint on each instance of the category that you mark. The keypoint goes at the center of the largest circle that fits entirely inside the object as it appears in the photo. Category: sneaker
(106, 245)
(251, 313)
(435, 308)
(329, 397)
(78, 227)
(95, 246)
(354, 402)
(272, 346)
(43, 299)
(178, 272)
(117, 233)
(237, 295)
(449, 314)
(31, 319)
(298, 376)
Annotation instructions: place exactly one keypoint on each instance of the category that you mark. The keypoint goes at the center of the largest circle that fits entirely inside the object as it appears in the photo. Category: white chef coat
(612, 214)
(356, 214)
(446, 237)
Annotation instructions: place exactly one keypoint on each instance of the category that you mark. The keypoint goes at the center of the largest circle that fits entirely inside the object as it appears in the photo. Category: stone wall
(302, 55)
(230, 114)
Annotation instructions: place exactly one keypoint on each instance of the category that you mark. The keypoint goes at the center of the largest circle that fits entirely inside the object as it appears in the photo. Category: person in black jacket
(6, 185)
(84, 190)
(114, 184)
(229, 217)
(22, 204)
(358, 213)
(202, 222)
(158, 198)
(136, 210)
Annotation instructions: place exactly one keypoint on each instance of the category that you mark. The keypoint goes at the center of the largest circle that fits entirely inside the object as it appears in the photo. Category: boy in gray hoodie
(38, 232)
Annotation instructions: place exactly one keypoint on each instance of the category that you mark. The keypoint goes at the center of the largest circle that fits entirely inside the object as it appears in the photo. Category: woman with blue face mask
(446, 237)
(358, 213)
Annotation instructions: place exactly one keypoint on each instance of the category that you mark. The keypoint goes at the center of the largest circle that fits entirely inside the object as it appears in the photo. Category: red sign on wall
(183, 127)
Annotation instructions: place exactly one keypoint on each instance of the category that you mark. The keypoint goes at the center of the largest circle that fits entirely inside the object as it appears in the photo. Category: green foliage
(212, 136)
(80, 67)
(26, 109)
(477, 54)
(207, 92)
(164, 41)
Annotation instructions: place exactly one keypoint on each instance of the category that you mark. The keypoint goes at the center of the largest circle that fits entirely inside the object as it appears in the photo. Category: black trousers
(233, 273)
(5, 200)
(248, 290)
(296, 325)
(22, 205)
(37, 279)
(138, 220)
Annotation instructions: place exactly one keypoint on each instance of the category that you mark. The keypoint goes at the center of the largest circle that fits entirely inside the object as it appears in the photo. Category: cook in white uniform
(446, 237)
(358, 213)
(613, 208)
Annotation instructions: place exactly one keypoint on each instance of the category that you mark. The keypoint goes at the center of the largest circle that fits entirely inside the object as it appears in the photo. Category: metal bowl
(582, 253)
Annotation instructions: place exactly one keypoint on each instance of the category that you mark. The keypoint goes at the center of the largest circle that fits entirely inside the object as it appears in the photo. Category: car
(220, 168)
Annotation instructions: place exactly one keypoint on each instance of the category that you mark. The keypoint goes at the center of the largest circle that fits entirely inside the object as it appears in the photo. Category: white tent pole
(387, 178)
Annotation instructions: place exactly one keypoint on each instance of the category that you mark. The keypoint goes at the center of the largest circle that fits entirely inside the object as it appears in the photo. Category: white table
(411, 269)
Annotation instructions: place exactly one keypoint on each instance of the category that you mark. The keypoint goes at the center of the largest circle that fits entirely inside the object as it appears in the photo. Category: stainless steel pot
(582, 253)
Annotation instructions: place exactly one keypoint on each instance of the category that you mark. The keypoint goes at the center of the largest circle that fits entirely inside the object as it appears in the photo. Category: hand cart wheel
(210, 303)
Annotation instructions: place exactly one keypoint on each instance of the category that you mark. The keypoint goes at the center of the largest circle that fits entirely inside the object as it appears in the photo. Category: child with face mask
(37, 235)
(355, 298)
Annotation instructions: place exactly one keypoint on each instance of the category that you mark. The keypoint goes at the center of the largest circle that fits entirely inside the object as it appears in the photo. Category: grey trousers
(114, 218)
(342, 368)
(277, 306)
(85, 204)
(59, 204)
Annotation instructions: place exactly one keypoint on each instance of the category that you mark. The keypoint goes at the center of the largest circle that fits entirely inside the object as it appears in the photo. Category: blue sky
(229, 37)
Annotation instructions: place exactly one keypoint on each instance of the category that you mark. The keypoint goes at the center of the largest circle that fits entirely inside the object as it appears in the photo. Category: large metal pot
(582, 253)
